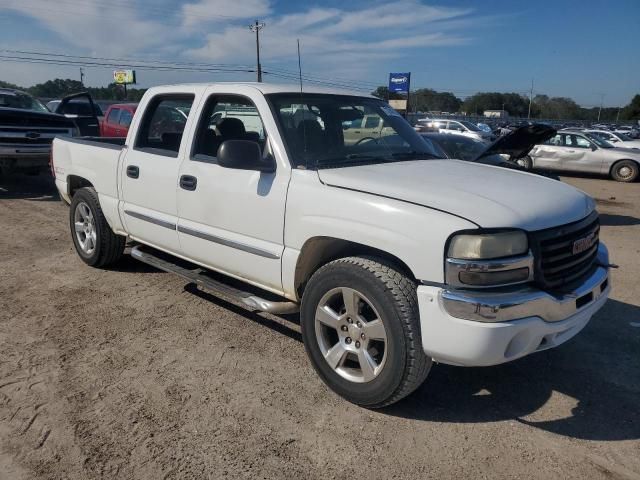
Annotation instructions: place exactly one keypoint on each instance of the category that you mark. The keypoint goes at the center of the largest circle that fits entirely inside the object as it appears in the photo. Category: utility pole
(256, 27)
(601, 102)
(530, 100)
(618, 115)
(82, 76)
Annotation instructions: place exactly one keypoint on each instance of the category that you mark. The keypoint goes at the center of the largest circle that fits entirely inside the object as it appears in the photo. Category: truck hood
(491, 197)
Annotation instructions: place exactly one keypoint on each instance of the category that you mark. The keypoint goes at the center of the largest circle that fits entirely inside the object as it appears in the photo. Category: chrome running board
(199, 276)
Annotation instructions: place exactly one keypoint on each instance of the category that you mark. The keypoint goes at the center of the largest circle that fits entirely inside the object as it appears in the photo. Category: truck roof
(267, 88)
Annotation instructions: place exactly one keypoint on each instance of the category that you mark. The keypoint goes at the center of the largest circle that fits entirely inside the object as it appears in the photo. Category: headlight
(490, 245)
(489, 259)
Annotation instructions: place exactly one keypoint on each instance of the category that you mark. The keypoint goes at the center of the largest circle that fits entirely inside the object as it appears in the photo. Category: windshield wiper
(415, 155)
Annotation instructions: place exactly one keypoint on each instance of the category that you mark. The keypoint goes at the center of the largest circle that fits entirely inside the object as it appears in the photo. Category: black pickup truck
(27, 129)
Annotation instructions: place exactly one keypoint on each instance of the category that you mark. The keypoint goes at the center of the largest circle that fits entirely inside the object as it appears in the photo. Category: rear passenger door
(232, 220)
(149, 171)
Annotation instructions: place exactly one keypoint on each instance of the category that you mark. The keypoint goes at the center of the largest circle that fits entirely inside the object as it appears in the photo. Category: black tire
(625, 171)
(393, 296)
(109, 247)
(525, 162)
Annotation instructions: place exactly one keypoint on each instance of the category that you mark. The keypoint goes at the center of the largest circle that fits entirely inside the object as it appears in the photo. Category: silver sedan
(576, 151)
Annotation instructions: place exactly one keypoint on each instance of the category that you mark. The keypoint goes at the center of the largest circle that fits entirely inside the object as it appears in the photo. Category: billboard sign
(398, 104)
(124, 77)
(399, 82)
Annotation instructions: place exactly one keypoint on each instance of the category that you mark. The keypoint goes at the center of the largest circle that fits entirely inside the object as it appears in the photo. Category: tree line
(60, 87)
(517, 105)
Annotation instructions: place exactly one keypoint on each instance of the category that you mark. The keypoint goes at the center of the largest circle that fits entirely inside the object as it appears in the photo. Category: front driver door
(579, 156)
(232, 220)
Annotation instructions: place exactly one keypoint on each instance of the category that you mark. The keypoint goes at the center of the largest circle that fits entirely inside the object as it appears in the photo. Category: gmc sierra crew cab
(394, 258)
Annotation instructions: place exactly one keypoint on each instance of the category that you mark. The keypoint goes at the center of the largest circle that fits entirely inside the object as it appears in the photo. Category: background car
(577, 151)
(616, 139)
(460, 127)
(117, 120)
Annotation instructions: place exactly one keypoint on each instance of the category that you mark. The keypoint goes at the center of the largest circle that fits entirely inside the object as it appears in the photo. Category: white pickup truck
(394, 258)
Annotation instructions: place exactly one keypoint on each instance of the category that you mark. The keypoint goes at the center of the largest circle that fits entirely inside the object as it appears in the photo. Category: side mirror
(244, 155)
(593, 147)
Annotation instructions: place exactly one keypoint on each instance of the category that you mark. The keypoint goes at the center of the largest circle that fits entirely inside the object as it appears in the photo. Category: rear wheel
(625, 171)
(92, 236)
(360, 326)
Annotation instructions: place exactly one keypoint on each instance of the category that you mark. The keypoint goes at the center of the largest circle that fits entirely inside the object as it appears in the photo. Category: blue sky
(580, 49)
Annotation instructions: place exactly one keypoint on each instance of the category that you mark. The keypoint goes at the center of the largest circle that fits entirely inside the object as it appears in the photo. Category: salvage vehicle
(394, 258)
(578, 151)
(458, 127)
(506, 152)
(27, 129)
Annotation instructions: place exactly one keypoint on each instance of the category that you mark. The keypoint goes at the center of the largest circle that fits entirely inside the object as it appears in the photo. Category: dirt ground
(126, 374)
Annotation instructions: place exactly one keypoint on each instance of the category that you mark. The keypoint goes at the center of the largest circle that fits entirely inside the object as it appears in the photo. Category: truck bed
(94, 159)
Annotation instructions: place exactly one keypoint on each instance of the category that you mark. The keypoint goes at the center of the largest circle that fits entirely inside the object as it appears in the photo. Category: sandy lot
(126, 374)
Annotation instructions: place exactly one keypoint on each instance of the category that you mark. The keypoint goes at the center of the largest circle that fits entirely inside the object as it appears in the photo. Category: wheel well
(75, 183)
(319, 251)
(623, 160)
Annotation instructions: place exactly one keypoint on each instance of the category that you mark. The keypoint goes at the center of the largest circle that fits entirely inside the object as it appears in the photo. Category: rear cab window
(114, 116)
(163, 124)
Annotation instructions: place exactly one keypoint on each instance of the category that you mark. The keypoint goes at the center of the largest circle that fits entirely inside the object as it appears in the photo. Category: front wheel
(360, 326)
(525, 162)
(625, 171)
(92, 236)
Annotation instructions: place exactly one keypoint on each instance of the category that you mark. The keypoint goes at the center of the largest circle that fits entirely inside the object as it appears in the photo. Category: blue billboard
(399, 82)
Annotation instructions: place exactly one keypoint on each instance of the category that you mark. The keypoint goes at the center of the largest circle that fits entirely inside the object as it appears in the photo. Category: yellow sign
(124, 76)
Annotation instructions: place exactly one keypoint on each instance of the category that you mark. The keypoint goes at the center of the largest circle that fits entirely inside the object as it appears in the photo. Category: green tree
(426, 99)
(9, 85)
(56, 88)
(383, 93)
(513, 103)
(631, 111)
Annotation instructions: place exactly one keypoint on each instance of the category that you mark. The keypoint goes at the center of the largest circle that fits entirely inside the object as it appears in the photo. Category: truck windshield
(329, 131)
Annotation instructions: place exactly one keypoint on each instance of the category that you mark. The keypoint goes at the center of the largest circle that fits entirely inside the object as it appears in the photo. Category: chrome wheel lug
(358, 324)
(347, 340)
(349, 320)
(344, 328)
(362, 336)
(357, 344)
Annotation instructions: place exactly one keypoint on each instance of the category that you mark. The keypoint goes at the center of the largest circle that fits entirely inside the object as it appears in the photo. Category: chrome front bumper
(481, 328)
(515, 303)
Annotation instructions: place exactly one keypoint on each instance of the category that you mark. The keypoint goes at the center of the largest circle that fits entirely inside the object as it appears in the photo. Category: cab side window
(125, 118)
(113, 116)
(163, 124)
(226, 117)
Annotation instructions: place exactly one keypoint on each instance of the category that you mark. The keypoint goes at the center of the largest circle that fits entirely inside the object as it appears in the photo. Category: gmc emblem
(32, 135)
(583, 244)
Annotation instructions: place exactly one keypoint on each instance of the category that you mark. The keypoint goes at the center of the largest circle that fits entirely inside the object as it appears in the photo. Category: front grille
(556, 263)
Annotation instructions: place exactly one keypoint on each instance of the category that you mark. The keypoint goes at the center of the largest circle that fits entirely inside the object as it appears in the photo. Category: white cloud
(350, 40)
(222, 10)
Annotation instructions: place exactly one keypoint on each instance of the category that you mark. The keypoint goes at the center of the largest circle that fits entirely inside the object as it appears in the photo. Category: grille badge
(584, 243)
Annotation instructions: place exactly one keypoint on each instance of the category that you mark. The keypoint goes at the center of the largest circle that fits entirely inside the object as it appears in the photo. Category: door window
(163, 124)
(372, 121)
(113, 116)
(125, 118)
(227, 117)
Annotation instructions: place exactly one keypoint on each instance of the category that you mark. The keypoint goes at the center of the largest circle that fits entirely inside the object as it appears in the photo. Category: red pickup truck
(117, 120)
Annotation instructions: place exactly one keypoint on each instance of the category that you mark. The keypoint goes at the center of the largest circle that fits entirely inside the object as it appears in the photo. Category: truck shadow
(40, 188)
(613, 220)
(594, 379)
